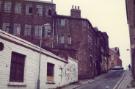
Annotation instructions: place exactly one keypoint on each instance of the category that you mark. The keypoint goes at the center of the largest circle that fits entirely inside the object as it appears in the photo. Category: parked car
(117, 68)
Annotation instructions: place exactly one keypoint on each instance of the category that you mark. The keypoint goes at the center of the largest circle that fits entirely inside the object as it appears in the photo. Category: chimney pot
(75, 7)
(78, 7)
(72, 6)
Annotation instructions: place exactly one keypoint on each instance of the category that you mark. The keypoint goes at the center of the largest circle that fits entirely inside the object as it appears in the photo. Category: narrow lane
(106, 82)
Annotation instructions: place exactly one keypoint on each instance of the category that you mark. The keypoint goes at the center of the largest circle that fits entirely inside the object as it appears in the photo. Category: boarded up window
(17, 67)
(50, 72)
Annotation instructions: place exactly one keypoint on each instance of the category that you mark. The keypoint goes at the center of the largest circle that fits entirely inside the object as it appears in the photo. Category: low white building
(19, 66)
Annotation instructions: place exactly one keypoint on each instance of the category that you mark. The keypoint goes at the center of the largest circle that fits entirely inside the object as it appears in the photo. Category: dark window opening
(1, 46)
(17, 67)
(50, 72)
(49, 12)
(30, 10)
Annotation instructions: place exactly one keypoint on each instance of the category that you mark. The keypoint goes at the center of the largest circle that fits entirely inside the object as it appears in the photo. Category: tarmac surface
(108, 81)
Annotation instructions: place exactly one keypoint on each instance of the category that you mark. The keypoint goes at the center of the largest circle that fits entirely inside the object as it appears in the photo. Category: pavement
(82, 82)
(125, 81)
(78, 84)
(101, 82)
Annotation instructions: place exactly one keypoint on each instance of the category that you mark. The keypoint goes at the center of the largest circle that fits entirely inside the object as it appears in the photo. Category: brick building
(65, 36)
(73, 33)
(101, 51)
(130, 8)
(104, 48)
(25, 18)
(114, 59)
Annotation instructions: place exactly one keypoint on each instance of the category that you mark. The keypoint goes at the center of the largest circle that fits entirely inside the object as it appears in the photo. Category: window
(57, 39)
(17, 29)
(7, 6)
(50, 72)
(85, 24)
(89, 39)
(62, 22)
(0, 5)
(39, 10)
(69, 39)
(27, 31)
(17, 67)
(38, 31)
(6, 27)
(1, 46)
(49, 12)
(47, 30)
(18, 8)
(62, 39)
(29, 9)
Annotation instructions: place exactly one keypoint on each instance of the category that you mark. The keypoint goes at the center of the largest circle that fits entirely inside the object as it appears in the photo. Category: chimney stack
(76, 12)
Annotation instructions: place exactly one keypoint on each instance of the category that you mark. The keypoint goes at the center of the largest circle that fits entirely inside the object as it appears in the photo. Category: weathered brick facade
(33, 19)
(114, 58)
(130, 8)
(100, 51)
(72, 36)
(78, 30)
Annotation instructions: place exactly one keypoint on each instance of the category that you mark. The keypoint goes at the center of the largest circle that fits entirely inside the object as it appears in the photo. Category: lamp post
(40, 49)
(40, 45)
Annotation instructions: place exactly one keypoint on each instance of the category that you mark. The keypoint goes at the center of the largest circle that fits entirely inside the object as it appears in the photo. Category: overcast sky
(108, 16)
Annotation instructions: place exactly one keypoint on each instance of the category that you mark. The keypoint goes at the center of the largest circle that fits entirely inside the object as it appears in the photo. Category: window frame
(17, 29)
(47, 30)
(1, 2)
(62, 22)
(6, 27)
(62, 39)
(27, 30)
(7, 6)
(15, 66)
(27, 9)
(50, 74)
(39, 10)
(18, 8)
(37, 31)
(69, 40)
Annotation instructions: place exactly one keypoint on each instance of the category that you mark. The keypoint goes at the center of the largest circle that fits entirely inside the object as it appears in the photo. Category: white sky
(108, 16)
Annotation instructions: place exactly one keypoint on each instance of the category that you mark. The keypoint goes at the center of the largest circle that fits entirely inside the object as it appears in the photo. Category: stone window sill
(21, 84)
(50, 82)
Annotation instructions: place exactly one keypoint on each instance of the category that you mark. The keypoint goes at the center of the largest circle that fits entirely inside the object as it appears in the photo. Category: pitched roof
(26, 44)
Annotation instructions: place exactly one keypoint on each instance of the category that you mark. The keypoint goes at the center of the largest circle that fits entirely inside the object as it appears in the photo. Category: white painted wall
(68, 74)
